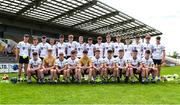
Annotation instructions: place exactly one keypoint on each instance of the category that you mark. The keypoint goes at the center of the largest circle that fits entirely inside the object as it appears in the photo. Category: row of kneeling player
(108, 68)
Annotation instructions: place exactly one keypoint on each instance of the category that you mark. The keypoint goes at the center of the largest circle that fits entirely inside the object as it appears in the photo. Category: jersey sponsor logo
(79, 49)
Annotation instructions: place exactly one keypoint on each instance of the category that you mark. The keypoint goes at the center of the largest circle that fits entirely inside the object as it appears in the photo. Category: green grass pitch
(159, 93)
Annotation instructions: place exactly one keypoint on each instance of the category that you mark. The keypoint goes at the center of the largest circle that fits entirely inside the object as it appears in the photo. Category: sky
(163, 15)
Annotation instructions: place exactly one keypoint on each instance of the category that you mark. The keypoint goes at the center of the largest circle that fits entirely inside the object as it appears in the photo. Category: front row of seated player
(108, 68)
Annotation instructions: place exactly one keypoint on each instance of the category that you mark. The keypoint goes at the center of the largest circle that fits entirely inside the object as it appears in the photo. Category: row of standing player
(157, 50)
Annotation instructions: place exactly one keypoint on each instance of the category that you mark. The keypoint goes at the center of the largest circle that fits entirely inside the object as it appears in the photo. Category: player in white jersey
(61, 45)
(158, 55)
(137, 46)
(100, 46)
(148, 67)
(53, 47)
(108, 45)
(34, 66)
(118, 45)
(90, 47)
(34, 46)
(71, 45)
(133, 66)
(97, 61)
(110, 65)
(80, 47)
(120, 64)
(61, 67)
(22, 53)
(127, 48)
(43, 47)
(73, 69)
(147, 45)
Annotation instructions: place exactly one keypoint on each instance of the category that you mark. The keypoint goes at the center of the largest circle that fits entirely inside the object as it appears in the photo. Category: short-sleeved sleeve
(163, 48)
(19, 45)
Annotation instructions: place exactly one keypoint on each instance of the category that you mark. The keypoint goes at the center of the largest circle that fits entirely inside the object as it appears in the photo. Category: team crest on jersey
(144, 48)
(41, 48)
(79, 49)
(32, 50)
(69, 46)
(59, 47)
(87, 48)
(106, 47)
(125, 49)
(23, 48)
(116, 46)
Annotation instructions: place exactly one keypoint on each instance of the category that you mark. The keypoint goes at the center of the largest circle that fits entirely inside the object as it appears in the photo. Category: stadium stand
(78, 17)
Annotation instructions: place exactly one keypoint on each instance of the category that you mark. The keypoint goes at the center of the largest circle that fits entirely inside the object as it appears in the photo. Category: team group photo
(107, 61)
(89, 52)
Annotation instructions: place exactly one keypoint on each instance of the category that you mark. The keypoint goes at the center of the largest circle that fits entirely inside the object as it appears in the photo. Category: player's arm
(90, 64)
(29, 67)
(80, 64)
(141, 65)
(29, 50)
(17, 51)
(44, 64)
(163, 56)
(65, 67)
